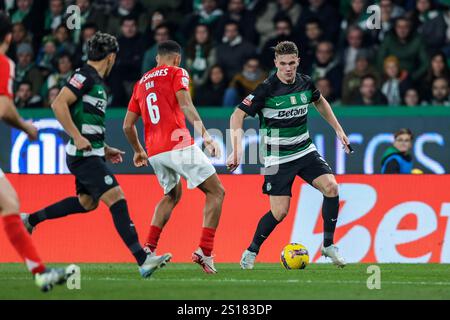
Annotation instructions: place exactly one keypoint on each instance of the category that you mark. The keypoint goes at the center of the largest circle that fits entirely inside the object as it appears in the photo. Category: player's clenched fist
(140, 159)
(31, 131)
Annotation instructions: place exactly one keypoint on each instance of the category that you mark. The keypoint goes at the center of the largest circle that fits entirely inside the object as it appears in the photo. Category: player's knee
(280, 213)
(87, 202)
(10, 206)
(331, 189)
(220, 193)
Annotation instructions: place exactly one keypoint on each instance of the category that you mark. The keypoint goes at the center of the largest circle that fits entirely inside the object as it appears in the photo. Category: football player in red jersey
(9, 202)
(161, 97)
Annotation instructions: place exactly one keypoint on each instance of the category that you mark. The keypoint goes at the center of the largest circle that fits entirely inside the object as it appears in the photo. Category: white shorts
(190, 163)
(1, 173)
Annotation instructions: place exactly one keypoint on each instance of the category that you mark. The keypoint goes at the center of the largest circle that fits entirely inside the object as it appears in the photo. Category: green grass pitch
(266, 281)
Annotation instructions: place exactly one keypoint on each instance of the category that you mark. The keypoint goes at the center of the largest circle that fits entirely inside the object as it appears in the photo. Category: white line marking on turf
(255, 281)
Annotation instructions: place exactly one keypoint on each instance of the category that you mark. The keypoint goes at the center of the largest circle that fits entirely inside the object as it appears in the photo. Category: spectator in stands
(438, 68)
(434, 32)
(51, 96)
(408, 47)
(157, 18)
(87, 31)
(63, 41)
(59, 78)
(26, 70)
(355, 45)
(89, 14)
(397, 158)
(209, 14)
(24, 97)
(213, 91)
(352, 80)
(283, 28)
(328, 16)
(422, 13)
(200, 55)
(368, 93)
(244, 82)
(440, 93)
(234, 50)
(411, 98)
(54, 15)
(396, 81)
(245, 19)
(127, 68)
(46, 55)
(314, 35)
(162, 33)
(272, 11)
(389, 12)
(19, 35)
(357, 15)
(327, 65)
(326, 89)
(127, 8)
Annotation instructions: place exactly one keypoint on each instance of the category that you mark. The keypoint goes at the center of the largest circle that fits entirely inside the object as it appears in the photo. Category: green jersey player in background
(80, 107)
(281, 102)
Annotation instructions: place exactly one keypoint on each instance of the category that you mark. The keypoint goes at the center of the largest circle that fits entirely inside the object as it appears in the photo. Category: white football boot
(53, 276)
(332, 252)
(26, 223)
(248, 260)
(206, 262)
(152, 263)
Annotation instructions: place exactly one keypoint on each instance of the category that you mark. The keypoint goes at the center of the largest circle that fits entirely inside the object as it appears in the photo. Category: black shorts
(308, 168)
(93, 177)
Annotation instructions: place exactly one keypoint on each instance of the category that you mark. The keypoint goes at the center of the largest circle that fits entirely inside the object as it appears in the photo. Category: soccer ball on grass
(294, 256)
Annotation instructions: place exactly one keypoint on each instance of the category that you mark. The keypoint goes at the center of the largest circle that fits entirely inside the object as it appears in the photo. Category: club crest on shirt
(248, 100)
(303, 97)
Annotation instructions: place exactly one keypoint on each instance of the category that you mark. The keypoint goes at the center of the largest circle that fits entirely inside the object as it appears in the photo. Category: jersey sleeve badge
(77, 81)
(248, 100)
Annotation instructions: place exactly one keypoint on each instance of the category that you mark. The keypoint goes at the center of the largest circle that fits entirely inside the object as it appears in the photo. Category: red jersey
(7, 70)
(155, 101)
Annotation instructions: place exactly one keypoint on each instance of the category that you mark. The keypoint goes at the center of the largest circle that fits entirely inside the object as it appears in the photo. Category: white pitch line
(424, 283)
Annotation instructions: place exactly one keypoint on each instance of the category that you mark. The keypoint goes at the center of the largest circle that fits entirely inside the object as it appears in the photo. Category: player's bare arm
(236, 132)
(186, 105)
(140, 158)
(327, 113)
(62, 113)
(9, 114)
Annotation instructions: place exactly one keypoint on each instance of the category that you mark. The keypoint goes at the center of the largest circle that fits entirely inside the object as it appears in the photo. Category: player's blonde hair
(286, 47)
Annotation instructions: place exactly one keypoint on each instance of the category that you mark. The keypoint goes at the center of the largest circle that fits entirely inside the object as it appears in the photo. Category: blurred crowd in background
(227, 46)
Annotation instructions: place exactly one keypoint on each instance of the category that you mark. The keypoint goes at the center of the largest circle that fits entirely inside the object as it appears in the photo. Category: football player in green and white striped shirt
(80, 108)
(281, 103)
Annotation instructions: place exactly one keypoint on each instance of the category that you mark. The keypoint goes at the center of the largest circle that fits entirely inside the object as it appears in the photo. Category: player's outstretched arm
(327, 113)
(186, 105)
(61, 110)
(236, 133)
(9, 114)
(140, 157)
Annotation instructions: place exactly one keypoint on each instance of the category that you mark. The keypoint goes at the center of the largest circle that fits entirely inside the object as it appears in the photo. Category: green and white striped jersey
(282, 110)
(88, 112)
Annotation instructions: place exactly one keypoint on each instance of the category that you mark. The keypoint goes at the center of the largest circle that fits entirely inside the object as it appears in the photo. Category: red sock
(207, 240)
(21, 241)
(153, 237)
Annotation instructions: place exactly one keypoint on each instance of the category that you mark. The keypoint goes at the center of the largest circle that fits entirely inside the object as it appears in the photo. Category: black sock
(265, 226)
(126, 230)
(330, 209)
(57, 210)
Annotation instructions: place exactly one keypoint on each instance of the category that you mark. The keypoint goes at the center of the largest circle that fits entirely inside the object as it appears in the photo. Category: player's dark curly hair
(101, 45)
(286, 47)
(5, 26)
